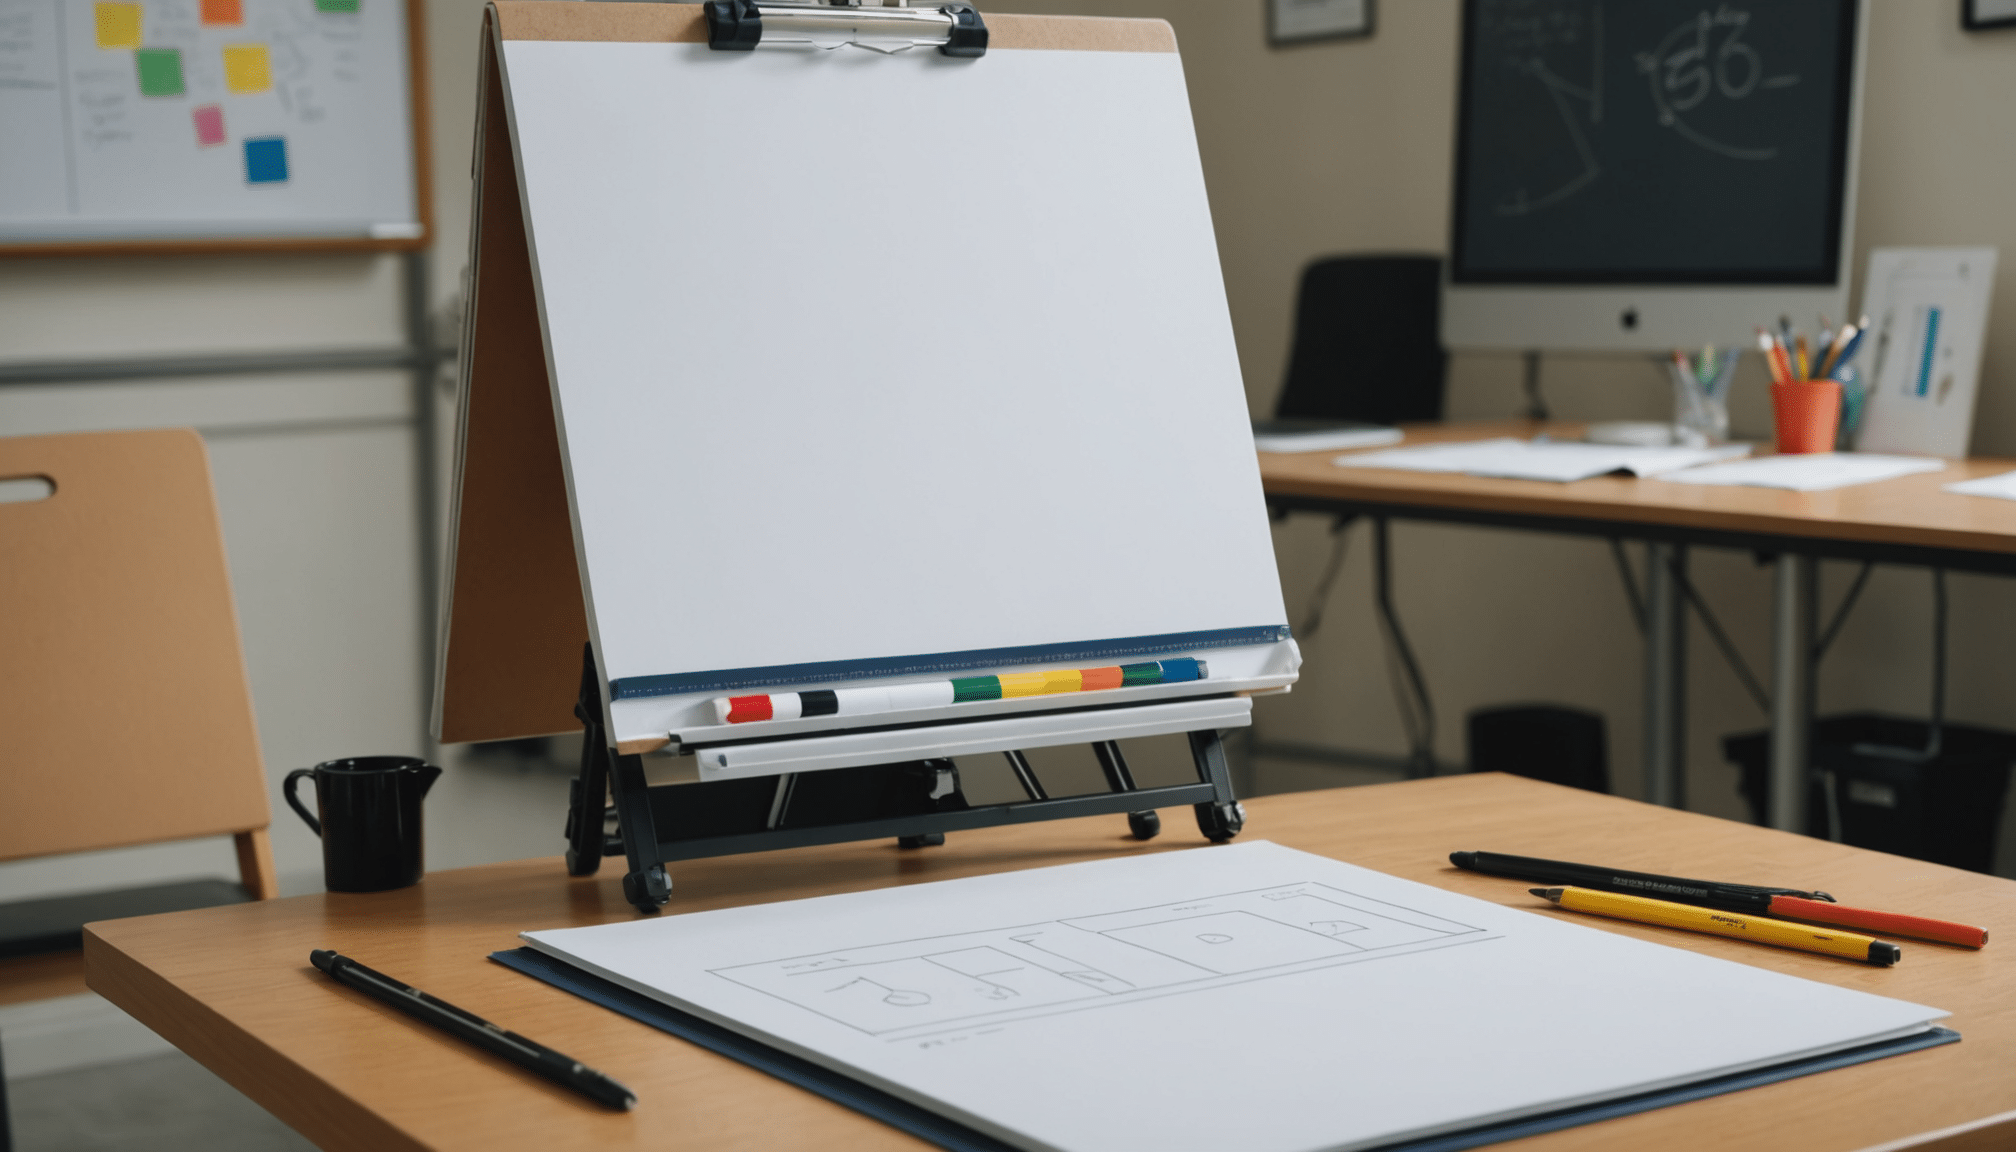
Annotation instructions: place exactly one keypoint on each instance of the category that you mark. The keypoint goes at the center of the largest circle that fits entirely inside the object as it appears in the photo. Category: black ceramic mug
(370, 825)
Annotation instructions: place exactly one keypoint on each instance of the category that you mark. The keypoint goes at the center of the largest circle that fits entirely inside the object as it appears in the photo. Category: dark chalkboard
(1652, 141)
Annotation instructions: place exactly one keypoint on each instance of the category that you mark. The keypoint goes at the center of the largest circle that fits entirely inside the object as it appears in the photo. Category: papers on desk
(2001, 487)
(1808, 472)
(1303, 435)
(1249, 997)
(1539, 460)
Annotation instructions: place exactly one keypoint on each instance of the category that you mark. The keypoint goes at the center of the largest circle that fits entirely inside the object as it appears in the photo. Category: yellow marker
(1015, 684)
(118, 25)
(247, 68)
(1063, 680)
(1666, 914)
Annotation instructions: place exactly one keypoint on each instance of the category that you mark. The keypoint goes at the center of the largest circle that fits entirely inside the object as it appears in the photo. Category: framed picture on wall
(1300, 21)
(1977, 14)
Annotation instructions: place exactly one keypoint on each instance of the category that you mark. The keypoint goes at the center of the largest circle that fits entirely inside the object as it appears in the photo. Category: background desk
(1908, 520)
(232, 986)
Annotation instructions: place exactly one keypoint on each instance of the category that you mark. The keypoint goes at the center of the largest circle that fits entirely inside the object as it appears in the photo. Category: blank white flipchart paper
(1250, 996)
(863, 356)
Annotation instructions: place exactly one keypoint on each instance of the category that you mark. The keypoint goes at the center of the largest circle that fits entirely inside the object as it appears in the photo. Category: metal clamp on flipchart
(955, 29)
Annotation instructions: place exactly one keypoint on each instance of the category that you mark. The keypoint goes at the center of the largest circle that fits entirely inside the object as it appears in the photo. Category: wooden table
(1909, 520)
(232, 986)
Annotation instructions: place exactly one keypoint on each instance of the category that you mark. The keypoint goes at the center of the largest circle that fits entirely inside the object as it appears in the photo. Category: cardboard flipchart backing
(517, 622)
(125, 717)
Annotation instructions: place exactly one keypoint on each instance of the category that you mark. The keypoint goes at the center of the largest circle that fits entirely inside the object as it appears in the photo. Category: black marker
(563, 1070)
(1730, 897)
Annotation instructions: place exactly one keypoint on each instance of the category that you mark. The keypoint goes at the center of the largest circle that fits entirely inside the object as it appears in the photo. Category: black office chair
(1368, 341)
(1368, 347)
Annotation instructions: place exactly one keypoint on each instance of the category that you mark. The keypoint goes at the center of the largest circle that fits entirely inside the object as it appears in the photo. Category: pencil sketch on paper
(909, 989)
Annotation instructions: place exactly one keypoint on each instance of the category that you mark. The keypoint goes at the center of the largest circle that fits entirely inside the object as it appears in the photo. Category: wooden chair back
(125, 717)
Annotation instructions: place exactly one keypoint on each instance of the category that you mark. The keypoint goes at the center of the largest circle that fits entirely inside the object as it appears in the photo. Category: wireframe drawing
(904, 989)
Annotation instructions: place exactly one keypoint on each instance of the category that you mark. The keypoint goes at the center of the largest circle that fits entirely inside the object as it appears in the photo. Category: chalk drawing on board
(909, 990)
(1525, 43)
(1704, 57)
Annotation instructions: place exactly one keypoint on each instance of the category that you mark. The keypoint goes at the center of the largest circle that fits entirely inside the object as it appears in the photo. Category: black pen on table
(1729, 897)
(527, 1054)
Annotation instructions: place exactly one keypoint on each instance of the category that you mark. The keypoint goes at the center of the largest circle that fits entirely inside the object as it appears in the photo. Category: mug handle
(294, 802)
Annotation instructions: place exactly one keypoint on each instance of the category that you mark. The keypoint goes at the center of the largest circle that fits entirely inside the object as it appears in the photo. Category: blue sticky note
(266, 160)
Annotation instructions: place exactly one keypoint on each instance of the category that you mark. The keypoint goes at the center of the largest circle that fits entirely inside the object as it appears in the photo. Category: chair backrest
(125, 717)
(1368, 342)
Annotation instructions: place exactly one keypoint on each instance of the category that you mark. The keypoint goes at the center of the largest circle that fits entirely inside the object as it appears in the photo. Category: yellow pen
(1666, 914)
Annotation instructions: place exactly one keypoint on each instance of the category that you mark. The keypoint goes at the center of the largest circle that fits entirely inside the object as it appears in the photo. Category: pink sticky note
(209, 125)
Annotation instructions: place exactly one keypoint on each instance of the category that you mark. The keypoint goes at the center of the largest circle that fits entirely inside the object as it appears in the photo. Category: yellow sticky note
(247, 68)
(118, 25)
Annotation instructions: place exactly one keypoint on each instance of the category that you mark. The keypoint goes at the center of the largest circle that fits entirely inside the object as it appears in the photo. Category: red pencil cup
(1807, 414)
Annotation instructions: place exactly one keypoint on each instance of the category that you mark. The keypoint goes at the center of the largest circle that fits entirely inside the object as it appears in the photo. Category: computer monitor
(1647, 174)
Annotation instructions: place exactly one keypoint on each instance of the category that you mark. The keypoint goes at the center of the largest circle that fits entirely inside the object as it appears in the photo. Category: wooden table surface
(1909, 511)
(232, 986)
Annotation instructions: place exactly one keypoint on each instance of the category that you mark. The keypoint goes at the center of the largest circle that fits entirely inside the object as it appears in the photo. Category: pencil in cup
(960, 690)
(1737, 925)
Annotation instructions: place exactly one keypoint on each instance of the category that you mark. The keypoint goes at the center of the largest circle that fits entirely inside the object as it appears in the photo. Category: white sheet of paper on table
(1335, 440)
(2001, 486)
(1808, 472)
(1557, 461)
(1249, 996)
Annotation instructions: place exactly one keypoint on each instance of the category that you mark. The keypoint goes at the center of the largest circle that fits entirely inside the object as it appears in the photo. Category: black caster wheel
(1220, 820)
(647, 891)
(927, 840)
(1144, 825)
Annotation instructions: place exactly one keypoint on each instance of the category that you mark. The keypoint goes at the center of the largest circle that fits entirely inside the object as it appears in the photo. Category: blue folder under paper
(949, 1134)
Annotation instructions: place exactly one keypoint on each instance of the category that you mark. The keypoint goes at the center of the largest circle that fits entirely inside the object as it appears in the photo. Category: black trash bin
(1945, 810)
(1541, 742)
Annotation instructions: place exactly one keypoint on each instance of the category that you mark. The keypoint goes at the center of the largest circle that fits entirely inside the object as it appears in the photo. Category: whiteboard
(169, 120)
(862, 362)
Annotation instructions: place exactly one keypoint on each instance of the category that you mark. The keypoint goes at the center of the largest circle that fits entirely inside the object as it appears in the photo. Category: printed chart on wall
(196, 120)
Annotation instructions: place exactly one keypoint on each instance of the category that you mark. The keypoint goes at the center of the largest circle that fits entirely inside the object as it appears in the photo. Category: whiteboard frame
(423, 195)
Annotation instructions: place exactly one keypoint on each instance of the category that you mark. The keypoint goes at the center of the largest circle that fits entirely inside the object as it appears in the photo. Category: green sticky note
(160, 71)
(336, 5)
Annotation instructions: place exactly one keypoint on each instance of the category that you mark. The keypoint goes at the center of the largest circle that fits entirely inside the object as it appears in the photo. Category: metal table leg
(1795, 587)
(1665, 675)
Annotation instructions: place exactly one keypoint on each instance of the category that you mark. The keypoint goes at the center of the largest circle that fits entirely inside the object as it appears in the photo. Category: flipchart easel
(519, 650)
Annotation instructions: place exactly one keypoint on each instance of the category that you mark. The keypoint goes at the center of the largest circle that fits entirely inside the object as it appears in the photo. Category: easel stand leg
(1145, 824)
(646, 885)
(1220, 819)
(587, 837)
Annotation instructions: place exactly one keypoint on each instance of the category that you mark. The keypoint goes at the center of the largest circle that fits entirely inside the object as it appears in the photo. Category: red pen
(1882, 923)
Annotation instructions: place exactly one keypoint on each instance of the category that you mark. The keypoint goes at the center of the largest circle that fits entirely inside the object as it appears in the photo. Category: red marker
(1791, 903)
(1881, 923)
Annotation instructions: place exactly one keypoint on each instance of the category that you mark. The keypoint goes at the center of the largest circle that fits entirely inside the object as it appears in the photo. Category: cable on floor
(1630, 579)
(1714, 626)
(1319, 599)
(1418, 713)
(1826, 640)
